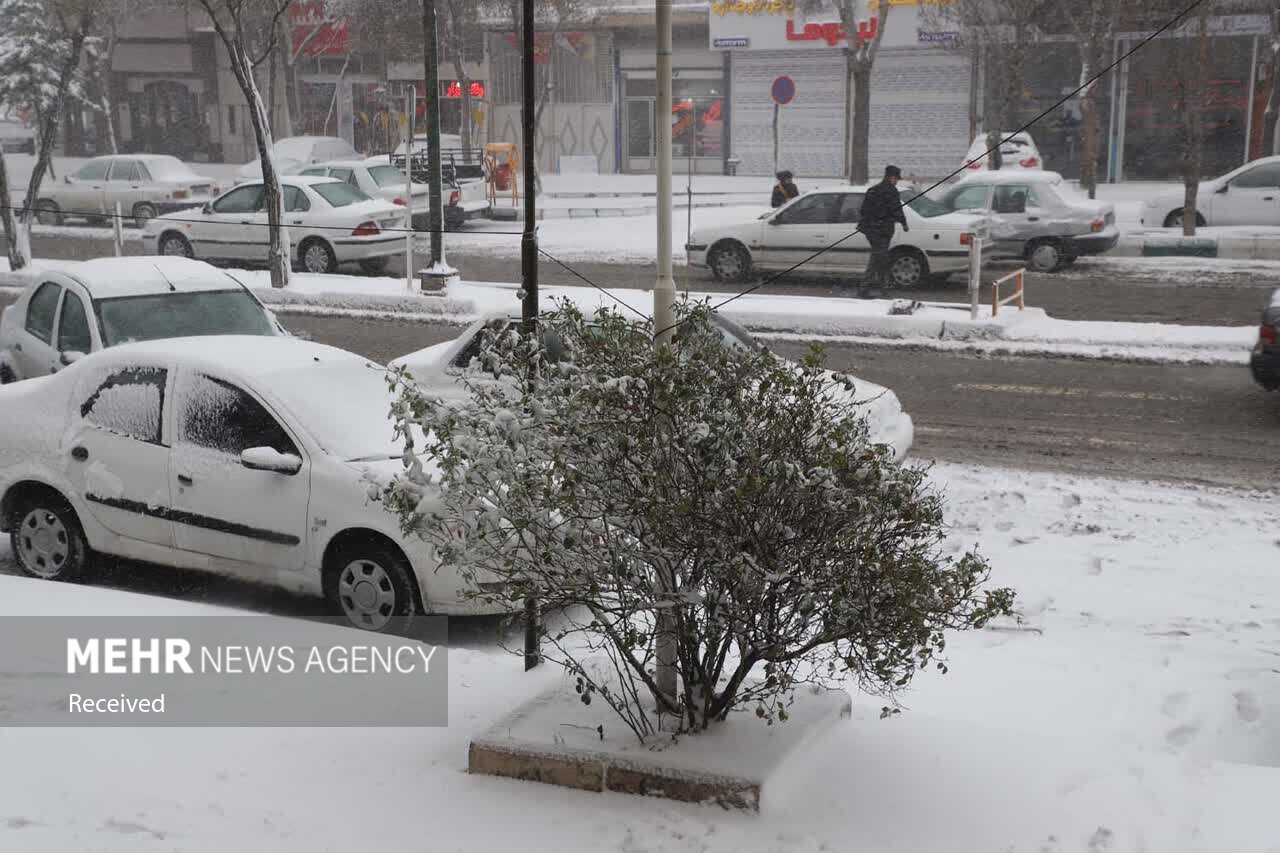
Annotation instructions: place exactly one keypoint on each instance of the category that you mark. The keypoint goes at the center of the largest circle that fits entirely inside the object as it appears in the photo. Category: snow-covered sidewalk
(1135, 709)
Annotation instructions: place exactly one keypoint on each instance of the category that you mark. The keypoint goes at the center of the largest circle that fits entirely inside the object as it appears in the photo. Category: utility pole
(664, 295)
(410, 108)
(529, 266)
(432, 106)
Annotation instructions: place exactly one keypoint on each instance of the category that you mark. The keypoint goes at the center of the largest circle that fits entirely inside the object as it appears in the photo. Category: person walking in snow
(785, 189)
(881, 210)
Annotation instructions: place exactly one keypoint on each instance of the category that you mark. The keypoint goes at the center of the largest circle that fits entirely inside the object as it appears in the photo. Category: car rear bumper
(1265, 366)
(359, 249)
(1094, 244)
(697, 254)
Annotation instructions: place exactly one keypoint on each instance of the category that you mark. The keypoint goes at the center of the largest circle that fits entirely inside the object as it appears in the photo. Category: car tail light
(1267, 335)
(399, 201)
(1098, 225)
(976, 164)
(366, 229)
(181, 193)
(966, 238)
(454, 198)
(1030, 163)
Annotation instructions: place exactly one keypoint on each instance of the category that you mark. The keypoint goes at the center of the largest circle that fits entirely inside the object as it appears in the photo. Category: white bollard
(119, 230)
(975, 275)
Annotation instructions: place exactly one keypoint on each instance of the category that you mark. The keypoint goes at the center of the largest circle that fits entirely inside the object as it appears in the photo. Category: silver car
(1032, 215)
(144, 185)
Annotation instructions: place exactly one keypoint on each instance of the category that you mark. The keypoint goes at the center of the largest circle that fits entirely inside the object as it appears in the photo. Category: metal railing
(1016, 296)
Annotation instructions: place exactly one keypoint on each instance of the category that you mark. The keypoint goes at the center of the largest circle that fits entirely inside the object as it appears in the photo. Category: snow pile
(1135, 709)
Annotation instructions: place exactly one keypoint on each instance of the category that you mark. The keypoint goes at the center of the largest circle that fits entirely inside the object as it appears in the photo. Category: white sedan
(233, 456)
(330, 222)
(442, 369)
(143, 185)
(377, 180)
(1249, 195)
(296, 152)
(67, 313)
(824, 219)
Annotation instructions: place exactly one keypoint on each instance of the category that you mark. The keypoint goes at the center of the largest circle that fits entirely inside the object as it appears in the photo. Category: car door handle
(297, 222)
(185, 480)
(79, 454)
(245, 222)
(1033, 218)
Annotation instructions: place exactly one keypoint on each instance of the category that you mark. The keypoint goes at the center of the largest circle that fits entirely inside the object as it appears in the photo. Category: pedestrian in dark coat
(881, 210)
(785, 189)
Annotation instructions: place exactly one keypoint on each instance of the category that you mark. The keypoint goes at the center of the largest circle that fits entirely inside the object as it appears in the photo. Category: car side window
(851, 208)
(129, 403)
(124, 171)
(94, 170)
(295, 200)
(347, 175)
(817, 209)
(240, 200)
(316, 173)
(1260, 177)
(472, 349)
(1010, 199)
(219, 416)
(41, 309)
(73, 326)
(969, 198)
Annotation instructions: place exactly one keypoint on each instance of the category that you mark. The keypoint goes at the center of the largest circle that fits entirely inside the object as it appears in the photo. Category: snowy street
(1134, 709)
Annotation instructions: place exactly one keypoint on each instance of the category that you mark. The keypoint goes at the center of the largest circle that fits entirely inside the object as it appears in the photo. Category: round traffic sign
(784, 89)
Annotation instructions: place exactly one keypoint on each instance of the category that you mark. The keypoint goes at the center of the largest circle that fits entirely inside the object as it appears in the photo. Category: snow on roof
(1013, 176)
(109, 278)
(309, 179)
(340, 164)
(252, 355)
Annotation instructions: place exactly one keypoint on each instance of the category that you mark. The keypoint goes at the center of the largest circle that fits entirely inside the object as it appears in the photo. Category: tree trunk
(849, 86)
(6, 214)
(279, 253)
(860, 135)
(48, 130)
(1089, 147)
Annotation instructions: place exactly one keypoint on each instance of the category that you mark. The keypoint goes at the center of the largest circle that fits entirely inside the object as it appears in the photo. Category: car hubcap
(367, 596)
(317, 259)
(728, 264)
(143, 214)
(43, 544)
(47, 217)
(1045, 257)
(173, 246)
(906, 271)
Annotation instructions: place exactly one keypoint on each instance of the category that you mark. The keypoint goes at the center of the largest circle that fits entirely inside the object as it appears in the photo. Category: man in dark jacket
(785, 189)
(881, 209)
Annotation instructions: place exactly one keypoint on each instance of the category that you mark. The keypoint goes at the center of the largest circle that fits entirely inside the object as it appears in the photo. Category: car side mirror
(66, 179)
(207, 209)
(777, 220)
(70, 358)
(1222, 190)
(266, 459)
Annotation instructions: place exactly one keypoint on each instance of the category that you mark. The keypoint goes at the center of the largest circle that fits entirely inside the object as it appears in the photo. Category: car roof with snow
(110, 278)
(249, 355)
(341, 164)
(1013, 176)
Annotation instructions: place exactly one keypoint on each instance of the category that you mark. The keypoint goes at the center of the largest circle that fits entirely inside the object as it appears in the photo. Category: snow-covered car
(1016, 152)
(296, 153)
(442, 369)
(1032, 215)
(330, 222)
(461, 201)
(797, 231)
(16, 136)
(1249, 195)
(251, 457)
(1265, 359)
(65, 314)
(144, 185)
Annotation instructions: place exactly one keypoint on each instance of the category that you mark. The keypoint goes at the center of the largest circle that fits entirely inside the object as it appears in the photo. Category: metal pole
(975, 274)
(410, 106)
(432, 95)
(1248, 120)
(664, 294)
(529, 268)
(119, 231)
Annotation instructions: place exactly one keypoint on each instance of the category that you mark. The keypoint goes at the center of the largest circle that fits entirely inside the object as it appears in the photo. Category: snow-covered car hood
(749, 221)
(252, 170)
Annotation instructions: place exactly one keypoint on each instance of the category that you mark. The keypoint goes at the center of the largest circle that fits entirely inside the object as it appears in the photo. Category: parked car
(441, 369)
(378, 181)
(66, 314)
(1035, 216)
(16, 137)
(1249, 195)
(233, 456)
(330, 223)
(780, 239)
(1265, 361)
(144, 185)
(295, 153)
(1016, 152)
(457, 164)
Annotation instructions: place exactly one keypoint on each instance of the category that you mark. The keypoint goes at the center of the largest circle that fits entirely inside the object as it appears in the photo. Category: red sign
(831, 33)
(316, 32)
(453, 89)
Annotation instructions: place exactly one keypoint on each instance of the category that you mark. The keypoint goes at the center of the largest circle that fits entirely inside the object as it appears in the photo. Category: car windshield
(178, 315)
(169, 169)
(928, 207)
(339, 194)
(386, 176)
(354, 425)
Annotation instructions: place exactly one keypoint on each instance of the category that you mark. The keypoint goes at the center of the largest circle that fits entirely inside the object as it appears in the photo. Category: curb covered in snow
(1235, 248)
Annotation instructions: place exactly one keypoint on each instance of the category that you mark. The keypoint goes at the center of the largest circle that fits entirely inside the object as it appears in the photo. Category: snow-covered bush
(731, 488)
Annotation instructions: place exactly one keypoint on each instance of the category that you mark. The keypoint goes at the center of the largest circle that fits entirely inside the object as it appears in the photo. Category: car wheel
(370, 586)
(143, 212)
(1045, 256)
(6, 375)
(316, 256)
(48, 212)
(374, 266)
(1174, 219)
(176, 245)
(730, 262)
(907, 268)
(48, 540)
